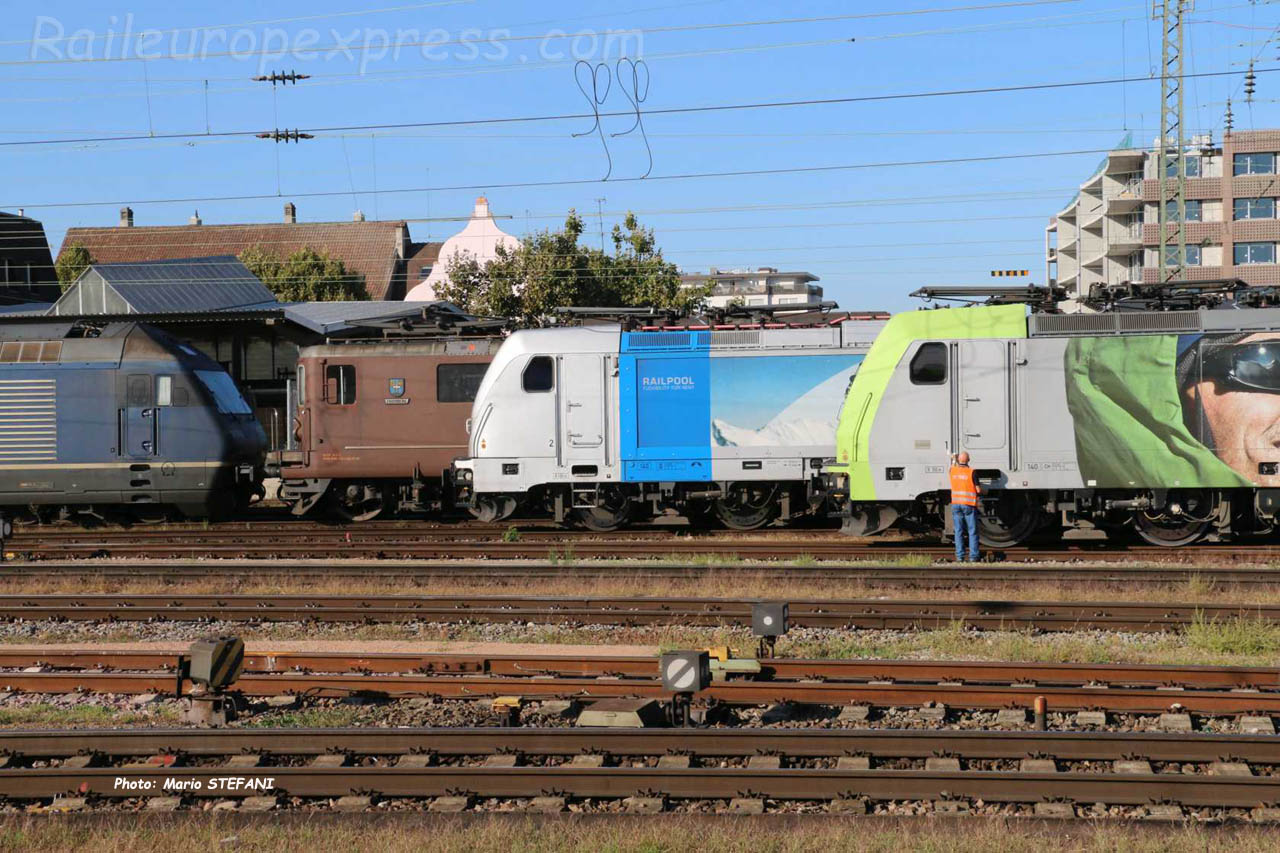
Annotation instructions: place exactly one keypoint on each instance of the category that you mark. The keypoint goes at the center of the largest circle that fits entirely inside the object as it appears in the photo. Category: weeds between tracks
(1239, 635)
(774, 834)
(1238, 643)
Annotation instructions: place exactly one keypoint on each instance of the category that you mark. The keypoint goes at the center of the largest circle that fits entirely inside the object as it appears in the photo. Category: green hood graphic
(1122, 393)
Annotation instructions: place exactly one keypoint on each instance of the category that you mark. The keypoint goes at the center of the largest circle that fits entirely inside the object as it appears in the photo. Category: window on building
(929, 365)
(458, 383)
(1194, 208)
(1193, 256)
(539, 375)
(424, 271)
(1253, 164)
(1192, 168)
(1254, 253)
(1254, 208)
(164, 390)
(340, 384)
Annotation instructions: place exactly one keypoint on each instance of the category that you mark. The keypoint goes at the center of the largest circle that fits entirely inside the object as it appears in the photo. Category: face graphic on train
(1232, 402)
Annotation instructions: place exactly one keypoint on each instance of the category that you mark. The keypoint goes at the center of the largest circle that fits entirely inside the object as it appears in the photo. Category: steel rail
(852, 613)
(737, 692)
(614, 782)
(519, 572)
(639, 743)
(459, 541)
(531, 665)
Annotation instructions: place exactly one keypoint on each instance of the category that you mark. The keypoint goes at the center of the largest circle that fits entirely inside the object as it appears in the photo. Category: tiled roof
(371, 249)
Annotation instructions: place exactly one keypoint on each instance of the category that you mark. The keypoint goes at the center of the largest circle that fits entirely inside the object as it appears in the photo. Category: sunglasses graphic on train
(1255, 366)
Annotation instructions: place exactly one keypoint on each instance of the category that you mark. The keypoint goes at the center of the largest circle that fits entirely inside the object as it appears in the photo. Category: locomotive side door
(139, 418)
(983, 403)
(582, 409)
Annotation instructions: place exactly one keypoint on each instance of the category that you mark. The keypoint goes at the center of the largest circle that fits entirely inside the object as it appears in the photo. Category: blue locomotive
(121, 414)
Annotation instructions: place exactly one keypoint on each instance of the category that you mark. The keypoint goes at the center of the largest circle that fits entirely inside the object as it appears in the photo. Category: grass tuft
(82, 716)
(511, 534)
(1239, 635)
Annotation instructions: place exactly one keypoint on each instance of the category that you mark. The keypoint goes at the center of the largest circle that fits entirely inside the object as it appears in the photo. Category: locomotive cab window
(170, 393)
(340, 384)
(458, 383)
(539, 375)
(929, 365)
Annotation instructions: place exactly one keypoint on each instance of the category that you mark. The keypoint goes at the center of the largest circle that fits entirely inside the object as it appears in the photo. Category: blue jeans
(965, 519)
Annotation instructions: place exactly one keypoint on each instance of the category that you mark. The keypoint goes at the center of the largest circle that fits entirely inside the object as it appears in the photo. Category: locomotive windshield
(224, 392)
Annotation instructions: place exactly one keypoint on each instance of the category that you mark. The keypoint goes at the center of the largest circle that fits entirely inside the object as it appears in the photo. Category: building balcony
(1201, 188)
(1197, 232)
(1255, 230)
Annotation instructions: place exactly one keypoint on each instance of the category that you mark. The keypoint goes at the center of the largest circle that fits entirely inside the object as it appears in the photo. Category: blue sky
(871, 234)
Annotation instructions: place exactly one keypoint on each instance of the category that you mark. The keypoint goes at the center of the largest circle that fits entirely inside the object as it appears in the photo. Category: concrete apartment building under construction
(1109, 233)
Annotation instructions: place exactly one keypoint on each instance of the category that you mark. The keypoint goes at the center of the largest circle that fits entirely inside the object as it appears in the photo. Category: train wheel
(1007, 519)
(359, 501)
(1187, 517)
(747, 506)
(615, 510)
(492, 508)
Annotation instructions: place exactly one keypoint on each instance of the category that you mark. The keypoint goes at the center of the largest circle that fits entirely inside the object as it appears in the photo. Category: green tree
(304, 276)
(550, 269)
(72, 261)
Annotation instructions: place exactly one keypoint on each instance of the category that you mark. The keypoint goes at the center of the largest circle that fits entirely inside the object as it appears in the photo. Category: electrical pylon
(1172, 196)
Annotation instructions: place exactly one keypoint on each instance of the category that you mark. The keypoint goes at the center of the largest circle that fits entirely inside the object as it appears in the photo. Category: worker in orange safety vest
(964, 505)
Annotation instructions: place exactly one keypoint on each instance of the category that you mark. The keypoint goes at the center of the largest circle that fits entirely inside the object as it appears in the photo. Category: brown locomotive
(377, 423)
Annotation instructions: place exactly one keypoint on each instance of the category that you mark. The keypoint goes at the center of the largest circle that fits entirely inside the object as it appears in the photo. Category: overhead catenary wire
(492, 185)
(883, 201)
(709, 108)
(809, 262)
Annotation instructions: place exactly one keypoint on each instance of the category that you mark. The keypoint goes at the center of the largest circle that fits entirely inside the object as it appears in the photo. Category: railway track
(872, 613)
(852, 769)
(462, 540)
(521, 572)
(954, 684)
(529, 665)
